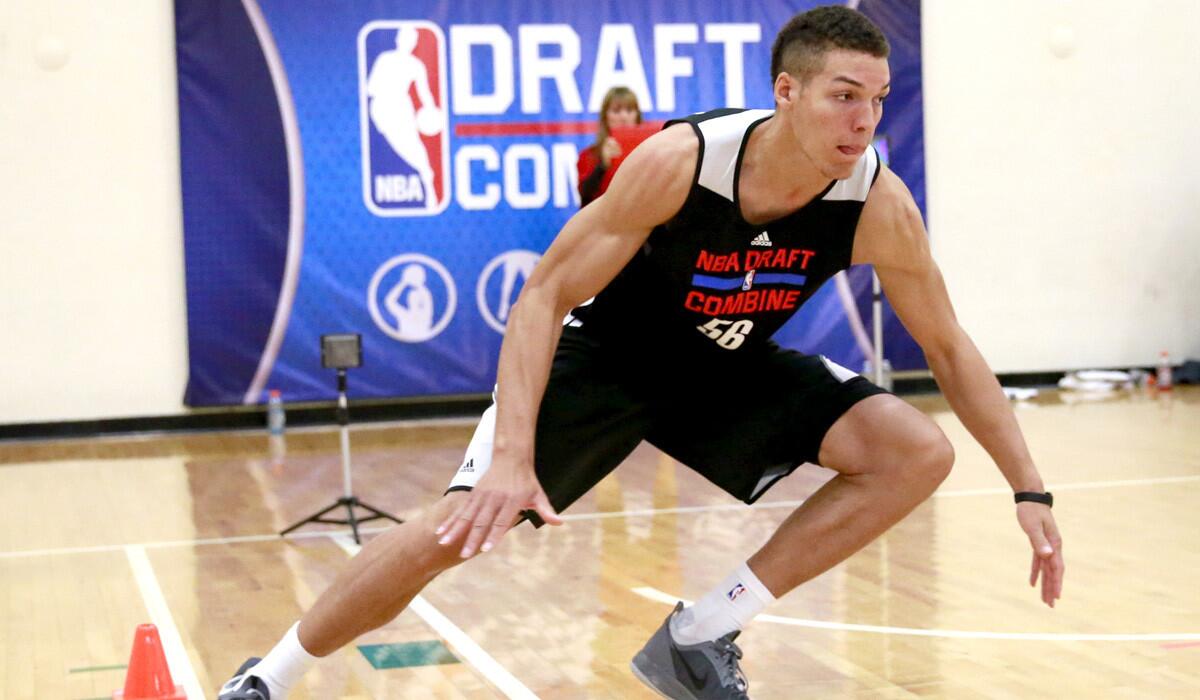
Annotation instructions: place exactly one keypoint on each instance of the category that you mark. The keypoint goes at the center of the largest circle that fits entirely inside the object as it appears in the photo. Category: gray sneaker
(705, 671)
(244, 686)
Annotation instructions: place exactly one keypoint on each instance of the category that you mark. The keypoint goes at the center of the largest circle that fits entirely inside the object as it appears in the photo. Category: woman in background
(619, 108)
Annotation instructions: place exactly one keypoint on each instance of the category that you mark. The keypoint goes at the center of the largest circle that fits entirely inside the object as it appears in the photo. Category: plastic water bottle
(275, 416)
(1162, 377)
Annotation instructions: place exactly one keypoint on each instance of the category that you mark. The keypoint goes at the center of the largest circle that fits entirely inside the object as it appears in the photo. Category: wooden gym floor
(97, 536)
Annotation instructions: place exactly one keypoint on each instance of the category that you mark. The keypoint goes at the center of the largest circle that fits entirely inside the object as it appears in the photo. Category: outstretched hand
(1038, 523)
(493, 507)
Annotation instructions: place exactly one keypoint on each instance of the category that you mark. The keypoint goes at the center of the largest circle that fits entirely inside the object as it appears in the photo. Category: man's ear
(787, 88)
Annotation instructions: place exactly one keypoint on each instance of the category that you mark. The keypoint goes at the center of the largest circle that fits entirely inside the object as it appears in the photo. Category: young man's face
(834, 116)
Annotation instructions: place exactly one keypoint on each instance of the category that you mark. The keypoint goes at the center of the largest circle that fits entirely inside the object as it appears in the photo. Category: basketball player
(711, 235)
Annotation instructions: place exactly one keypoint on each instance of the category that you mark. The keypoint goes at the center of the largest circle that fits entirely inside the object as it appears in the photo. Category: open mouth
(852, 150)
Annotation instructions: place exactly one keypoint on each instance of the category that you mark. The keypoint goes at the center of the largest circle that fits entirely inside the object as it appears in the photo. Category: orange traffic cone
(148, 677)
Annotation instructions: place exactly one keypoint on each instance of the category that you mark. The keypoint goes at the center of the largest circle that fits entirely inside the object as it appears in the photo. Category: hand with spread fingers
(494, 506)
(1038, 523)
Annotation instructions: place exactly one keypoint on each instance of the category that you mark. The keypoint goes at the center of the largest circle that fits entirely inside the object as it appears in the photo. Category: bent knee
(930, 456)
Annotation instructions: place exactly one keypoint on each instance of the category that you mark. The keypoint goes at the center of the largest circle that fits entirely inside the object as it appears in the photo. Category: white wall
(1064, 195)
(92, 317)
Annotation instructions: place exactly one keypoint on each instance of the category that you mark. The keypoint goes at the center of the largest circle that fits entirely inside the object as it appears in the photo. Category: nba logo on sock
(735, 592)
(404, 118)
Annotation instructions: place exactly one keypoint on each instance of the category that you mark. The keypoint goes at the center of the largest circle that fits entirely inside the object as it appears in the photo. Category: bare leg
(890, 457)
(380, 581)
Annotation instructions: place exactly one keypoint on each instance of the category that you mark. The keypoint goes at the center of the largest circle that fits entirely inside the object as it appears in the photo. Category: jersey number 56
(727, 334)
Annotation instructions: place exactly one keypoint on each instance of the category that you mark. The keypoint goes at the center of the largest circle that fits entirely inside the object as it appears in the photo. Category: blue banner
(395, 169)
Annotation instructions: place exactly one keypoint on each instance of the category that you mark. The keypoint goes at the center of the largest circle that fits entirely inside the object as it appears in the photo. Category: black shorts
(742, 422)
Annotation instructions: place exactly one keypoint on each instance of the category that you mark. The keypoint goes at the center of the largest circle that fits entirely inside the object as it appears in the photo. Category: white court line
(466, 647)
(166, 544)
(314, 534)
(160, 614)
(1082, 486)
(937, 494)
(739, 506)
(658, 596)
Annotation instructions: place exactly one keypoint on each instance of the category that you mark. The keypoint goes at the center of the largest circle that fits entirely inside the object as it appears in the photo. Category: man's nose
(864, 118)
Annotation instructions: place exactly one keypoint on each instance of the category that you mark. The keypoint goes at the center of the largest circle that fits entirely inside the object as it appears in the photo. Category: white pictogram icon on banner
(404, 298)
(500, 284)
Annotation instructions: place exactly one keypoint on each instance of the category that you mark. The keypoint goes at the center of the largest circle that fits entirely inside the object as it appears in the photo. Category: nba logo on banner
(403, 112)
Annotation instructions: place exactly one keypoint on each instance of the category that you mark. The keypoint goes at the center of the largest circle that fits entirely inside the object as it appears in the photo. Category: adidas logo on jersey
(762, 239)
(468, 467)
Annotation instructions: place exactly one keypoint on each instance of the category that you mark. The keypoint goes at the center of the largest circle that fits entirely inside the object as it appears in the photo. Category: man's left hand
(1038, 523)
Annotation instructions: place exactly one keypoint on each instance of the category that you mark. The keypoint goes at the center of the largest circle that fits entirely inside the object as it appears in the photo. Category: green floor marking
(89, 669)
(408, 654)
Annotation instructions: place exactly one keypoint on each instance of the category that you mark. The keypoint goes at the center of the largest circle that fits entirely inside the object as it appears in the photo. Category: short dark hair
(801, 45)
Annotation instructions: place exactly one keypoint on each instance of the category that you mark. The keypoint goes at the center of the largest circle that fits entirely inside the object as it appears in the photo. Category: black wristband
(1043, 498)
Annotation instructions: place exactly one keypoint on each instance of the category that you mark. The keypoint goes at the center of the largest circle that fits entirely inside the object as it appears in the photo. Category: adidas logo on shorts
(762, 239)
(468, 467)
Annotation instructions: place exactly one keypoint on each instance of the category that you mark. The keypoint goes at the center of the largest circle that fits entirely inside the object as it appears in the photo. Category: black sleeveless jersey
(709, 283)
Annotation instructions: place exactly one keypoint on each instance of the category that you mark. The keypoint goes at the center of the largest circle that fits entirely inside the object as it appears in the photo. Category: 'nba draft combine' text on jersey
(708, 279)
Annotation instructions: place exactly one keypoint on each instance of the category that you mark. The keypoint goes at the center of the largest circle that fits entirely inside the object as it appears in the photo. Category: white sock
(284, 665)
(728, 607)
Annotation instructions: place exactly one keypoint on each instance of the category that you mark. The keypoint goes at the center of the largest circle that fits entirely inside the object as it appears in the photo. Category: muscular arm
(587, 254)
(892, 237)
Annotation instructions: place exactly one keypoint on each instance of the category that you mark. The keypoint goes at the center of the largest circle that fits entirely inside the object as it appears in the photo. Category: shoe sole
(657, 685)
